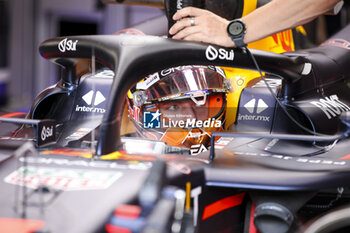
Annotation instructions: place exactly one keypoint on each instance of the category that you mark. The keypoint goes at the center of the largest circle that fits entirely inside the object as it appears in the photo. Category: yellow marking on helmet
(249, 6)
(130, 95)
(302, 30)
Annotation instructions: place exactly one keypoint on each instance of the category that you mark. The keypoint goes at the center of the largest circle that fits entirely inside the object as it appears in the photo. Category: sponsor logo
(88, 97)
(222, 142)
(192, 123)
(62, 178)
(240, 81)
(212, 53)
(260, 108)
(169, 97)
(46, 132)
(94, 100)
(152, 79)
(196, 149)
(255, 106)
(246, 117)
(179, 4)
(79, 134)
(168, 71)
(331, 106)
(67, 45)
(153, 120)
(89, 109)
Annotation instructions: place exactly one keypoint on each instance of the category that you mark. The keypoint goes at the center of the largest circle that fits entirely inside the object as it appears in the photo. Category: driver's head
(180, 105)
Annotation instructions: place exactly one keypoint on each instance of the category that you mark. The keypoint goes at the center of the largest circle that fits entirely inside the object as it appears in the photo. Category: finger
(187, 12)
(180, 25)
(186, 32)
(198, 37)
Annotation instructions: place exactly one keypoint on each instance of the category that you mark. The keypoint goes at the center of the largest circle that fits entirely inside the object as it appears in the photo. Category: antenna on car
(93, 71)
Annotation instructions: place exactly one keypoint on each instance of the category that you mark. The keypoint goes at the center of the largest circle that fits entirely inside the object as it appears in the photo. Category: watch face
(236, 28)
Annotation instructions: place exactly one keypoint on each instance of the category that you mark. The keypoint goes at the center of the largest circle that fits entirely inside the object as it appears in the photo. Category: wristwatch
(236, 29)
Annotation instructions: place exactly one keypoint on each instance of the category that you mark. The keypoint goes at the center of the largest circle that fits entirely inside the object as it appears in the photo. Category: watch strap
(239, 42)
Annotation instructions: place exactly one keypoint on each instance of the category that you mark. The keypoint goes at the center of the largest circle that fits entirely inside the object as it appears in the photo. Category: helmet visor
(181, 82)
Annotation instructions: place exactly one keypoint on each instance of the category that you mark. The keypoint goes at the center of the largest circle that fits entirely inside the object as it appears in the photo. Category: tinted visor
(179, 83)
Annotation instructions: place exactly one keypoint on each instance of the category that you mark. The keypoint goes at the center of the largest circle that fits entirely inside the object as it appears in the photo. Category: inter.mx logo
(261, 106)
(94, 99)
(151, 120)
(252, 106)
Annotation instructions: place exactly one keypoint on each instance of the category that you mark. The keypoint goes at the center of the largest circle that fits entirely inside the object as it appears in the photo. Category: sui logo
(151, 120)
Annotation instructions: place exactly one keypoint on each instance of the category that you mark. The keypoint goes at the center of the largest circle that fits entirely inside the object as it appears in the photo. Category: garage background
(24, 24)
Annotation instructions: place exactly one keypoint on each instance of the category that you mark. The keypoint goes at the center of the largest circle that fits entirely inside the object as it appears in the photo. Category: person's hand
(194, 24)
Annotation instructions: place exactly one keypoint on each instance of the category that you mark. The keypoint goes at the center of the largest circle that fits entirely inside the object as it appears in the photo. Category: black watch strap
(239, 43)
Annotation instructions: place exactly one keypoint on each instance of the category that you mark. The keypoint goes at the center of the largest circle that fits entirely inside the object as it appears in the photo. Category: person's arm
(276, 16)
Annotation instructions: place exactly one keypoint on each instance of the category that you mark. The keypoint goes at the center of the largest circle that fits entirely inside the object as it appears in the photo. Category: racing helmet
(180, 105)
